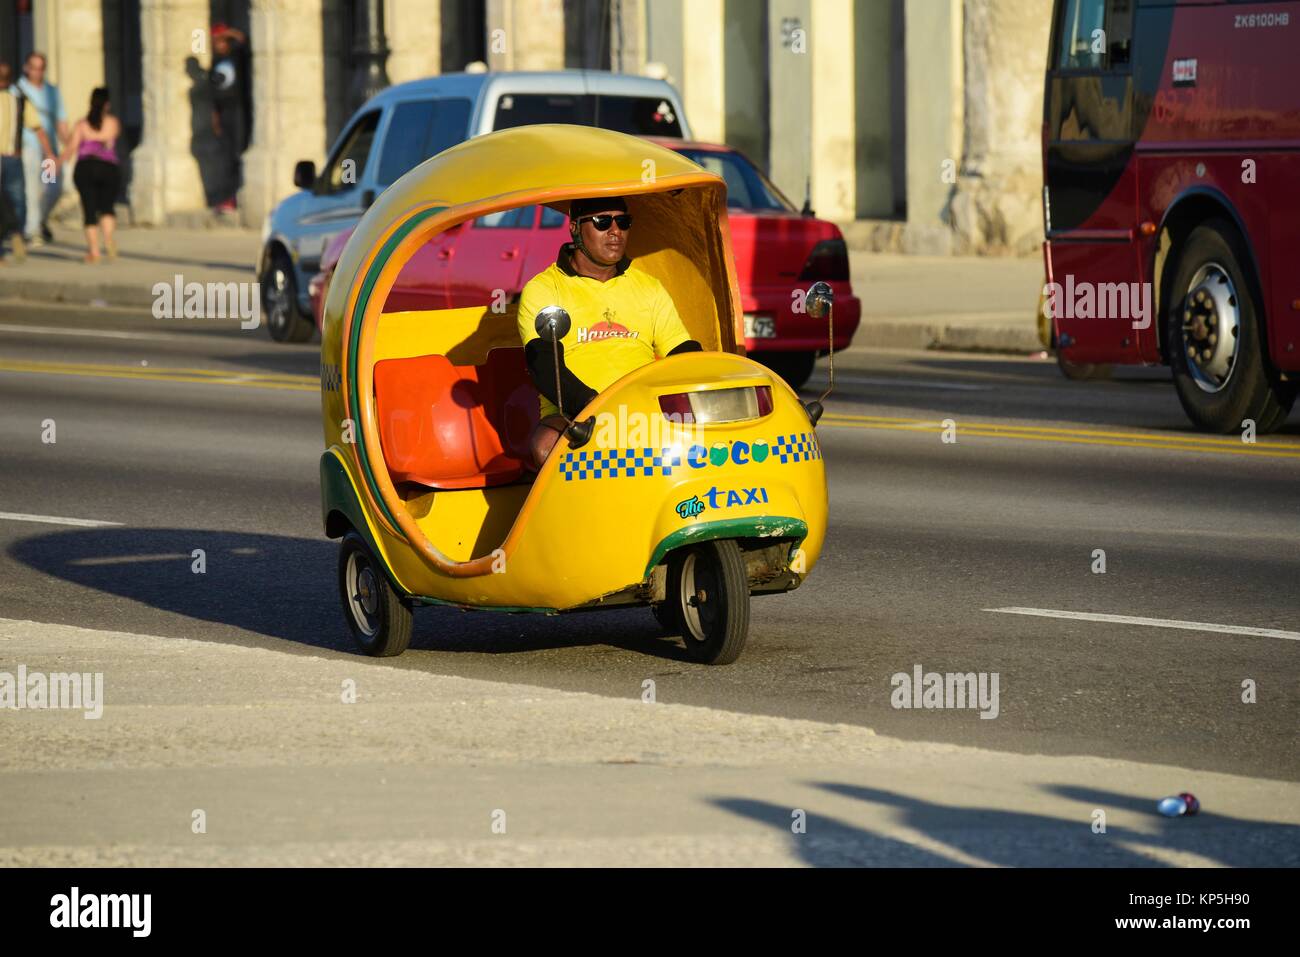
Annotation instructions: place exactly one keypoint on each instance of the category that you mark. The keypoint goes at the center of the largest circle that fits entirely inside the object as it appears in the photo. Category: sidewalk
(908, 302)
(423, 769)
(979, 304)
(56, 273)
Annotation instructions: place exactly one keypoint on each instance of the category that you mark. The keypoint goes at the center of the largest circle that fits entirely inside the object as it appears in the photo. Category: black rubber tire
(796, 368)
(1252, 390)
(390, 631)
(287, 323)
(718, 637)
(666, 618)
(1083, 371)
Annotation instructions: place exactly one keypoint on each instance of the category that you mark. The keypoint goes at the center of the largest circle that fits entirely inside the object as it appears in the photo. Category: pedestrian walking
(97, 173)
(230, 114)
(42, 191)
(16, 115)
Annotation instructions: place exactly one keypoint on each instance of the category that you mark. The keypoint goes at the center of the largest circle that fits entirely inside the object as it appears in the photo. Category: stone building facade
(915, 123)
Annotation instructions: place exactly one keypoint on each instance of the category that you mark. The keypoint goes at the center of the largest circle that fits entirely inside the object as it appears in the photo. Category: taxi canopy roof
(679, 235)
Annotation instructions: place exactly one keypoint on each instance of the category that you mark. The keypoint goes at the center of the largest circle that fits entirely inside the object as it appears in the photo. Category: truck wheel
(795, 368)
(1214, 337)
(379, 617)
(280, 301)
(709, 589)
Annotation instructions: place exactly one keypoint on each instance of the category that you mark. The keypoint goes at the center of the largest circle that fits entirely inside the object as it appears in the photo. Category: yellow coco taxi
(688, 485)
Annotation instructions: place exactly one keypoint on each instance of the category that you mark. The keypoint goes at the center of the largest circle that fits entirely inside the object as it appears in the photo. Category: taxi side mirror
(818, 300)
(552, 323)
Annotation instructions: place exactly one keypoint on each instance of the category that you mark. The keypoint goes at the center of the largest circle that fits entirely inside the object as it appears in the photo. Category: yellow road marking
(260, 380)
(1178, 443)
(1222, 445)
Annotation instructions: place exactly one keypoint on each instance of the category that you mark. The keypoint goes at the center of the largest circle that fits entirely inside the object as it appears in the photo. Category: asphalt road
(192, 434)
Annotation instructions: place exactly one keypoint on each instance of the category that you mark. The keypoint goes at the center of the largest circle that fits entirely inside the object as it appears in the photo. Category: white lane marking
(1152, 622)
(56, 520)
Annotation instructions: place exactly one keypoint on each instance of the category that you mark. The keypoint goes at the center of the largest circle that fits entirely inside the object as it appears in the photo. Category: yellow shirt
(617, 325)
(11, 122)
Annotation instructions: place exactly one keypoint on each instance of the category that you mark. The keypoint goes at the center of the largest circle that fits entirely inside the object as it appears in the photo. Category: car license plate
(760, 327)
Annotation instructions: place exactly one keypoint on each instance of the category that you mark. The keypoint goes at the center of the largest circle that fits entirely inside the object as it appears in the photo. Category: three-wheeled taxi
(688, 485)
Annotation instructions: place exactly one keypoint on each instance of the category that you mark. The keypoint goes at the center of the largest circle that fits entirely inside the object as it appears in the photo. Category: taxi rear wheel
(379, 618)
(666, 616)
(710, 597)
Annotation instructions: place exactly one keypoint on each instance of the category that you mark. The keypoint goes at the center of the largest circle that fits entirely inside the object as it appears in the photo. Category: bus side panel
(1232, 125)
(1282, 293)
(1094, 314)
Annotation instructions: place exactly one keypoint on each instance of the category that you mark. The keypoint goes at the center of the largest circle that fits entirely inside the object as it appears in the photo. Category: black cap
(599, 204)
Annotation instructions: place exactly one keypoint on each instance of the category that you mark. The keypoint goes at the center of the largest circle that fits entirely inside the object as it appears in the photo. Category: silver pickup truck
(405, 125)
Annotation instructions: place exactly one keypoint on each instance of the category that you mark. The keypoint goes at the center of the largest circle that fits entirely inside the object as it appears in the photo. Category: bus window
(1094, 34)
(1082, 35)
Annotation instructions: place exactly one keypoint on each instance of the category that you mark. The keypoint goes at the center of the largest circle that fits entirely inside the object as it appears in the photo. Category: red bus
(1171, 198)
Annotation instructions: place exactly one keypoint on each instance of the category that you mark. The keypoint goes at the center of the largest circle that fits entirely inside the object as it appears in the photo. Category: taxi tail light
(718, 405)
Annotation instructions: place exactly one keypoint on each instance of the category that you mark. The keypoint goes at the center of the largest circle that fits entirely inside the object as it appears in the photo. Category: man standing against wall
(230, 114)
(42, 190)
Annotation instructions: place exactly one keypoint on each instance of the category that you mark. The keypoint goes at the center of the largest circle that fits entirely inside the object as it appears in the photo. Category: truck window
(420, 129)
(349, 163)
(638, 115)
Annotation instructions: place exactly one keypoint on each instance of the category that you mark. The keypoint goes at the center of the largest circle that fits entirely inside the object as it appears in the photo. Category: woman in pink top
(97, 175)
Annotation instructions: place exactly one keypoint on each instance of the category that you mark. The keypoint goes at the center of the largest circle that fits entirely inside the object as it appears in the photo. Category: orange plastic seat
(455, 427)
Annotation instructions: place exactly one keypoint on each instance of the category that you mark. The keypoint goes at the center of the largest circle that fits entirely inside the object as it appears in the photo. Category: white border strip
(56, 520)
(1151, 622)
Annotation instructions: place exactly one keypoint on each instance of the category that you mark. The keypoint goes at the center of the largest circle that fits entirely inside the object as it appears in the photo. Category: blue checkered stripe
(796, 447)
(618, 463)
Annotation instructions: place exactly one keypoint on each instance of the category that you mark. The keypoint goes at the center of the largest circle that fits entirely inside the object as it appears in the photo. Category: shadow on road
(1018, 839)
(286, 589)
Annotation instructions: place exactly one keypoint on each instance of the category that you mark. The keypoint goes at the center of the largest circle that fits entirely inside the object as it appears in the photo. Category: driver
(622, 318)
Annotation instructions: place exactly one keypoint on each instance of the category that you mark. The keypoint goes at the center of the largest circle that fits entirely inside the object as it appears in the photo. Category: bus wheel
(709, 590)
(379, 618)
(1215, 340)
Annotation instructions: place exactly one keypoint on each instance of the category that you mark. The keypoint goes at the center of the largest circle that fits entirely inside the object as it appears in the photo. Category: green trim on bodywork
(338, 495)
(767, 526)
(358, 314)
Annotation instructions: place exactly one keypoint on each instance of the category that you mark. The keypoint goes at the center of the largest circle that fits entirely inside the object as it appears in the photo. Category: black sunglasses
(602, 221)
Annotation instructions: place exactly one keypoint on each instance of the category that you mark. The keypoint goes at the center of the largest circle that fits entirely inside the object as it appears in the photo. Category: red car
(778, 252)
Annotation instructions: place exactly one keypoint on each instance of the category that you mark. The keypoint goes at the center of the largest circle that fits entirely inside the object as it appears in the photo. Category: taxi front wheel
(709, 592)
(380, 618)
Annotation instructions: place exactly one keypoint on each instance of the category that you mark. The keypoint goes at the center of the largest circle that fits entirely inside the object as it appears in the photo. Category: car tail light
(828, 260)
(718, 405)
(678, 405)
